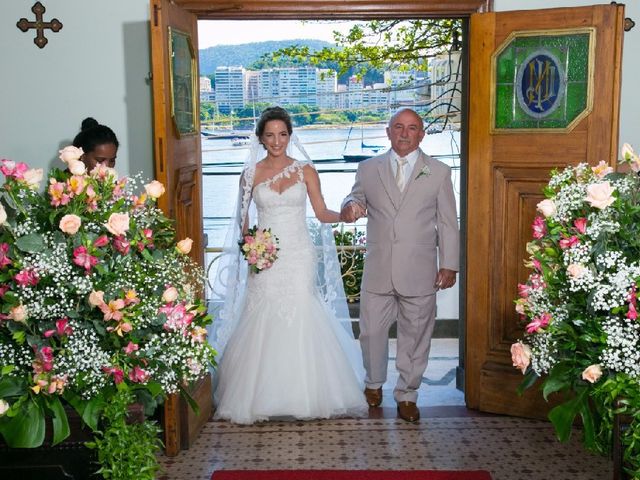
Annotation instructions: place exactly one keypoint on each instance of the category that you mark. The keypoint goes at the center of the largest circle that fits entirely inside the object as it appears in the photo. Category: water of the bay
(222, 163)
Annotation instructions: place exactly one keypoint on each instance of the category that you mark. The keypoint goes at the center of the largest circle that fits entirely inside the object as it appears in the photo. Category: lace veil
(230, 283)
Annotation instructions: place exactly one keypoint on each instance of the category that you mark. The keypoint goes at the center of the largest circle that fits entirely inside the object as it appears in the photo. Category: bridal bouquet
(99, 302)
(260, 248)
(580, 303)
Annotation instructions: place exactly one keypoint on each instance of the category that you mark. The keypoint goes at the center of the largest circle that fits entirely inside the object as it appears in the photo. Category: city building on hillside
(327, 85)
(230, 88)
(289, 85)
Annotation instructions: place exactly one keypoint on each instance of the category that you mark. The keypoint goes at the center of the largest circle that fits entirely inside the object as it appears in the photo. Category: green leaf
(563, 415)
(588, 427)
(89, 410)
(59, 420)
(192, 403)
(25, 430)
(554, 384)
(30, 243)
(530, 378)
(10, 386)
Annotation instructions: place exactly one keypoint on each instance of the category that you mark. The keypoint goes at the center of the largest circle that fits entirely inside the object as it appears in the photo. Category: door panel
(177, 160)
(506, 172)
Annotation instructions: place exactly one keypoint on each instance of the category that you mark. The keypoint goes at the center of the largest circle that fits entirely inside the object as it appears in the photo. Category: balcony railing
(351, 259)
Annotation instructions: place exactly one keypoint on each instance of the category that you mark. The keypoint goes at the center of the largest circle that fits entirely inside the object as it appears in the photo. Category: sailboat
(366, 151)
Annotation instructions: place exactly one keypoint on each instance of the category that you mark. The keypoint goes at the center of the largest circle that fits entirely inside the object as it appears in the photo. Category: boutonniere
(425, 171)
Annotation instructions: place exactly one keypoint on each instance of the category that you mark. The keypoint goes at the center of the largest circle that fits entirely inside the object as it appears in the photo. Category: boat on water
(240, 141)
(363, 154)
(366, 151)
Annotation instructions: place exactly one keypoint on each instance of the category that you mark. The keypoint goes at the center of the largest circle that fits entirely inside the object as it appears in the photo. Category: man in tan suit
(412, 251)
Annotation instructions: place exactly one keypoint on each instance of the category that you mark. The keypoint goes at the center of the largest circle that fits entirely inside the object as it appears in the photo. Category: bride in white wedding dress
(286, 355)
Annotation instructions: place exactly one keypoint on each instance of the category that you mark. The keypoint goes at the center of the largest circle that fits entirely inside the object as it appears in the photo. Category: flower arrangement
(99, 303)
(260, 248)
(424, 171)
(580, 303)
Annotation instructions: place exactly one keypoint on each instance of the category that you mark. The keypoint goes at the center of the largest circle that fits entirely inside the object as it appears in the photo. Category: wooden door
(177, 156)
(177, 160)
(507, 169)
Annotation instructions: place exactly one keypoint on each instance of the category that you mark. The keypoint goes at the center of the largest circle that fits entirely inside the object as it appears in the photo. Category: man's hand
(351, 212)
(445, 279)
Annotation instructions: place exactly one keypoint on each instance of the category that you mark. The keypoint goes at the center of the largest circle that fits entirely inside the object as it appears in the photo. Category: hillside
(247, 53)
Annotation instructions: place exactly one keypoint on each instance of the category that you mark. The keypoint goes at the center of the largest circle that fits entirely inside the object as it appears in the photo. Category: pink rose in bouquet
(260, 248)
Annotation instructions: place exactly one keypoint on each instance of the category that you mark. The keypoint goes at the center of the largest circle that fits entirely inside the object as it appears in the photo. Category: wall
(97, 65)
(630, 101)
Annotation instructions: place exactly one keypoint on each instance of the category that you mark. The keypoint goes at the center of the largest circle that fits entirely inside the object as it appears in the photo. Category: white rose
(3, 215)
(600, 195)
(77, 167)
(547, 207)
(33, 177)
(4, 406)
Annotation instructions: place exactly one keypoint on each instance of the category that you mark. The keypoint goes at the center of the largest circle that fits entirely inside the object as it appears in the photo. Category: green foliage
(126, 450)
(379, 44)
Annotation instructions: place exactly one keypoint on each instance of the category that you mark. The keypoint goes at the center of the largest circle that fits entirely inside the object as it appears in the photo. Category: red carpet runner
(350, 475)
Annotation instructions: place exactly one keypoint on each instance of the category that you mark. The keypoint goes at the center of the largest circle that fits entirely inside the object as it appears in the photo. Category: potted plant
(100, 309)
(580, 304)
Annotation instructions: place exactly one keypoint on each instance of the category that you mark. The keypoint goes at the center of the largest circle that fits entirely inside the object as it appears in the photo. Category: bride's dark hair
(273, 113)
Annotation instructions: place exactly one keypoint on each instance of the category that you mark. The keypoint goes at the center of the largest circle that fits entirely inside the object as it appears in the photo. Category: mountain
(247, 53)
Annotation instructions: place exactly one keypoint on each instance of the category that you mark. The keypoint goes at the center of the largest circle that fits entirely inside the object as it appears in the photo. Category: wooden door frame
(332, 9)
(359, 10)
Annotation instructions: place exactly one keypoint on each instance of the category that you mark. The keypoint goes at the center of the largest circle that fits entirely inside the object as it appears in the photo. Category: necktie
(400, 172)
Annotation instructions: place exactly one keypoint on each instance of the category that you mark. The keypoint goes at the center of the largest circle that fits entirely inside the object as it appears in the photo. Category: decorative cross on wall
(24, 25)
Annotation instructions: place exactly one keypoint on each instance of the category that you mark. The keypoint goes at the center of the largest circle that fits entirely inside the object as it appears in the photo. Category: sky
(234, 32)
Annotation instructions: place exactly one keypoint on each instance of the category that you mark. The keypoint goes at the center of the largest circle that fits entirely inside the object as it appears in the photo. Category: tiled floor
(448, 437)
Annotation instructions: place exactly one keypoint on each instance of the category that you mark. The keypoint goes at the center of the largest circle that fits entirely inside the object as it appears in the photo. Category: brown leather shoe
(408, 411)
(373, 396)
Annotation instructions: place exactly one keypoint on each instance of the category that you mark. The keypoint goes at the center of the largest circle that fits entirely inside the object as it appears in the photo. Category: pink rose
(576, 270)
(547, 207)
(118, 223)
(600, 195)
(520, 356)
(170, 295)
(154, 189)
(70, 224)
(96, 298)
(592, 373)
(184, 246)
(70, 153)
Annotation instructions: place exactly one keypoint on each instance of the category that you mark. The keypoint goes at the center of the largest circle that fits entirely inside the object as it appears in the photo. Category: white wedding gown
(286, 357)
